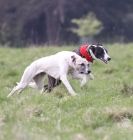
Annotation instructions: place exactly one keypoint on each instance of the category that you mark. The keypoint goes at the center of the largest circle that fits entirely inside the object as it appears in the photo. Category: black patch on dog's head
(99, 52)
(73, 58)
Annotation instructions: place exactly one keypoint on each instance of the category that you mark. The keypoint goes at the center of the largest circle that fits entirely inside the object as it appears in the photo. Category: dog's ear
(92, 48)
(73, 59)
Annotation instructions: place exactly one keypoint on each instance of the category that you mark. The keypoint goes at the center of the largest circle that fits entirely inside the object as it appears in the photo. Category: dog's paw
(43, 91)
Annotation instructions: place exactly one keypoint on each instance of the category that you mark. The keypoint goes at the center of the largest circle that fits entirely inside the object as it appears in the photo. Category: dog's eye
(82, 64)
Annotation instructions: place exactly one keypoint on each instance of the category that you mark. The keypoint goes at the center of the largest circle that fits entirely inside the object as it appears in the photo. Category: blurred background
(58, 22)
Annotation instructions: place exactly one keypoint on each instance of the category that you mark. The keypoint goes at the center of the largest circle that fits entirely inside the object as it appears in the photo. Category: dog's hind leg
(39, 81)
(52, 82)
(18, 88)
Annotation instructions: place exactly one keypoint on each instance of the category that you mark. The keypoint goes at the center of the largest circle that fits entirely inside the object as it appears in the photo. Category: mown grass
(101, 111)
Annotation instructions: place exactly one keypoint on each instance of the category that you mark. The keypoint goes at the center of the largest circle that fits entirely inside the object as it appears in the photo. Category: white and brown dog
(57, 66)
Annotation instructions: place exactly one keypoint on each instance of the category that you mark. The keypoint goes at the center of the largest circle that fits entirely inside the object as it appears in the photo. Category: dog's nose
(109, 59)
(88, 72)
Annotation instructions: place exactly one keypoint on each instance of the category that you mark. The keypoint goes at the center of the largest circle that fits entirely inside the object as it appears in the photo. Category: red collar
(84, 53)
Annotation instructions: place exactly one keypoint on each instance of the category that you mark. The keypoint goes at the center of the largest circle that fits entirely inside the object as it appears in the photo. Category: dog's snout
(89, 72)
(109, 59)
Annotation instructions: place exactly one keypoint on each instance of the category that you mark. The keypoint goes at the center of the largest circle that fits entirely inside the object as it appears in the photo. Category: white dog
(57, 66)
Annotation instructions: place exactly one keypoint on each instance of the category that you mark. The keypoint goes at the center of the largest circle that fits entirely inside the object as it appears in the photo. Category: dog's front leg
(84, 80)
(67, 85)
(83, 77)
(91, 76)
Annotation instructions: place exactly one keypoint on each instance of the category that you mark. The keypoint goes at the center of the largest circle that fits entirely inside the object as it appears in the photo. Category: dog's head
(99, 52)
(80, 64)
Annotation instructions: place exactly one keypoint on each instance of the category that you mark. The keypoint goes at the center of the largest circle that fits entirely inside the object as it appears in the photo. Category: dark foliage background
(25, 22)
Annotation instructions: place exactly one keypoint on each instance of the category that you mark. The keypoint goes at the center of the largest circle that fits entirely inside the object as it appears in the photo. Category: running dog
(57, 66)
(90, 53)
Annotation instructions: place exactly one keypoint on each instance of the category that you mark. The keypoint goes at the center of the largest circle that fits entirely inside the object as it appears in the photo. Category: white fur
(93, 56)
(106, 56)
(57, 66)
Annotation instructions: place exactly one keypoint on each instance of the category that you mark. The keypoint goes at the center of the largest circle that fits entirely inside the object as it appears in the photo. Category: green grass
(103, 109)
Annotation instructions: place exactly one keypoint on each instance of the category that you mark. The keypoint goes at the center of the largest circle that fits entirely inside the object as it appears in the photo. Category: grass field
(102, 111)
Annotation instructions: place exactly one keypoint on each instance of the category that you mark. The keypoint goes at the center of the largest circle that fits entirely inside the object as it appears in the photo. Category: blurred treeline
(24, 22)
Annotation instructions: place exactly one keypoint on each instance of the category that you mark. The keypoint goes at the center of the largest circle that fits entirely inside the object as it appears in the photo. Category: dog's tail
(31, 84)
